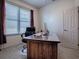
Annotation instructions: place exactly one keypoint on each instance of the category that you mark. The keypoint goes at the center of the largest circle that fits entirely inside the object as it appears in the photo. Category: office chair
(29, 31)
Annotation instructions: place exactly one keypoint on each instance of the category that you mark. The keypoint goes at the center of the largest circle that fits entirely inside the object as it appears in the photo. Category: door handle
(65, 30)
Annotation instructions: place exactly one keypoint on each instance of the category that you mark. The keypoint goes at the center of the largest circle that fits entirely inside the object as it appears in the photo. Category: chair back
(30, 31)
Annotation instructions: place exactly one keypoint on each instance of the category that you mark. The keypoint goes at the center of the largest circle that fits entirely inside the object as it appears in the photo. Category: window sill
(12, 34)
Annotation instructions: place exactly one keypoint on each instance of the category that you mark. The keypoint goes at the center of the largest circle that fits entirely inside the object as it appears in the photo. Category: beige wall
(53, 15)
(77, 4)
(16, 39)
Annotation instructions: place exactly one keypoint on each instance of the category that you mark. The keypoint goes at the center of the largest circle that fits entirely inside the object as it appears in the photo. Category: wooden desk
(43, 47)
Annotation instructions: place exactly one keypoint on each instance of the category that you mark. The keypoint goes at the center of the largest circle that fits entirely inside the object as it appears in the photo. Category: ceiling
(37, 3)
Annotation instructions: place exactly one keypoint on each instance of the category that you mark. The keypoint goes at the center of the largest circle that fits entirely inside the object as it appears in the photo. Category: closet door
(70, 28)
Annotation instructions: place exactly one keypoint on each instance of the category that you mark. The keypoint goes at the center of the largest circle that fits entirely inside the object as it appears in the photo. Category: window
(24, 20)
(11, 19)
(17, 19)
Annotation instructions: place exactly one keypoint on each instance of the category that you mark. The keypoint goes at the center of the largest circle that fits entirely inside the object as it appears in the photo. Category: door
(78, 26)
(70, 28)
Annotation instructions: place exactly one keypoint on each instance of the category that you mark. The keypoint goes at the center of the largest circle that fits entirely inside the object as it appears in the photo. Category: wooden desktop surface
(42, 47)
(39, 37)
